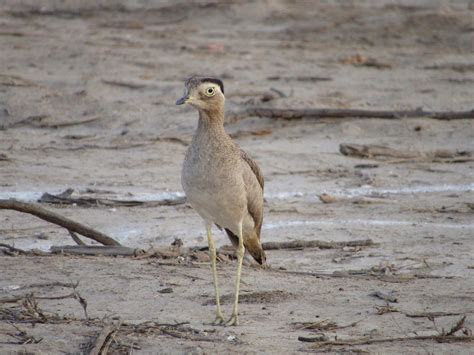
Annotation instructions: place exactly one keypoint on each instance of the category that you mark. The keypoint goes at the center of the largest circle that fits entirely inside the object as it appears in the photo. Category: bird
(222, 183)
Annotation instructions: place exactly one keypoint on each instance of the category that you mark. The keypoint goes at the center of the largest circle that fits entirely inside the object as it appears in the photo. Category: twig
(20, 298)
(51, 284)
(433, 314)
(365, 341)
(58, 219)
(299, 78)
(126, 84)
(372, 151)
(82, 301)
(76, 238)
(103, 340)
(298, 244)
(175, 330)
(69, 123)
(65, 198)
(30, 296)
(386, 309)
(13, 249)
(456, 327)
(322, 325)
(32, 308)
(459, 67)
(37, 121)
(364, 274)
(152, 324)
(95, 250)
(313, 339)
(23, 337)
(13, 80)
(91, 146)
(386, 296)
(290, 114)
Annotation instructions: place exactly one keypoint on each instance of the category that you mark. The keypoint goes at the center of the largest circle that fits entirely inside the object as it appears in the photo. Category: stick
(125, 84)
(69, 123)
(20, 298)
(103, 340)
(13, 249)
(364, 341)
(458, 326)
(51, 284)
(373, 150)
(298, 244)
(23, 337)
(434, 314)
(57, 219)
(290, 114)
(67, 199)
(96, 250)
(76, 238)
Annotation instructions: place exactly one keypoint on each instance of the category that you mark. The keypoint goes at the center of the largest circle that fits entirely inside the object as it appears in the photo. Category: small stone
(325, 198)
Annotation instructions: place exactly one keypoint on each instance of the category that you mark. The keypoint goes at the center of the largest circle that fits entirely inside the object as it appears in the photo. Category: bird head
(205, 94)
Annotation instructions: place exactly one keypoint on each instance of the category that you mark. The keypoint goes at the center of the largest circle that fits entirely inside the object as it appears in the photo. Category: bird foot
(219, 320)
(233, 321)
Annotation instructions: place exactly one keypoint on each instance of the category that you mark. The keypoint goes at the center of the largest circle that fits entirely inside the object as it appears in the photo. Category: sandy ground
(119, 66)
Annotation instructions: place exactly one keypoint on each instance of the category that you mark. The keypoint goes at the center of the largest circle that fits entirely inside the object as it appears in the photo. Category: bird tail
(252, 245)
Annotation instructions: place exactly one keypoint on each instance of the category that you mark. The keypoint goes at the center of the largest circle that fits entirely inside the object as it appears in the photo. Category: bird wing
(253, 165)
(255, 206)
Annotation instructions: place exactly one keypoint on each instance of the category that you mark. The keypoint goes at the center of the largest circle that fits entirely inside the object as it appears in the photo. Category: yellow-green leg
(212, 254)
(234, 318)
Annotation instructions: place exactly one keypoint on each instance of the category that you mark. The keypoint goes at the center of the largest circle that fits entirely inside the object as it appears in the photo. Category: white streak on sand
(365, 222)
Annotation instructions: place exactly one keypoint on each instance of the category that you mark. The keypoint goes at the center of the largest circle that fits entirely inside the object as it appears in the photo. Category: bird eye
(210, 91)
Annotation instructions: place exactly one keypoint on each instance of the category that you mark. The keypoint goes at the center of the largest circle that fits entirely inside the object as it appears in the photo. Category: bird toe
(219, 320)
(233, 321)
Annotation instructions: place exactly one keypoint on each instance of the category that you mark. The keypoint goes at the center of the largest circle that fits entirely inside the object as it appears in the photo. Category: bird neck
(211, 121)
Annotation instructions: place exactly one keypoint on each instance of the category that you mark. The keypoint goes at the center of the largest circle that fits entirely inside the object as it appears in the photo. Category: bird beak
(183, 100)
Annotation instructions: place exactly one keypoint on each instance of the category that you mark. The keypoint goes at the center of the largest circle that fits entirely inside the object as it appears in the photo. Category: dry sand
(120, 65)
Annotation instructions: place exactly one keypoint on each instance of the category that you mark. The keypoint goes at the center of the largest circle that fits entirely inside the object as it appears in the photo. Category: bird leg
(212, 254)
(234, 319)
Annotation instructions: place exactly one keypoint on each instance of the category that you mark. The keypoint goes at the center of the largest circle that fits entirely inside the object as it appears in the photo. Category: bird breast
(212, 178)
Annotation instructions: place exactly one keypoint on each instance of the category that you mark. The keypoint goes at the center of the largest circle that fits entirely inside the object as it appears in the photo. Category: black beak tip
(181, 101)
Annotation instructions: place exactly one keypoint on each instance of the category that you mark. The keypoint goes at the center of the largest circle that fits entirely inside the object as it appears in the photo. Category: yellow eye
(210, 91)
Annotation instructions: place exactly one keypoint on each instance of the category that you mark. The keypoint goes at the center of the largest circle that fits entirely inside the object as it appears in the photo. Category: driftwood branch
(196, 253)
(365, 341)
(51, 284)
(66, 198)
(96, 250)
(441, 337)
(58, 219)
(298, 244)
(291, 114)
(434, 314)
(372, 151)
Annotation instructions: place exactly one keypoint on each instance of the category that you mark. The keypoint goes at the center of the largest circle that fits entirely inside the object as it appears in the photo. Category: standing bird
(222, 183)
